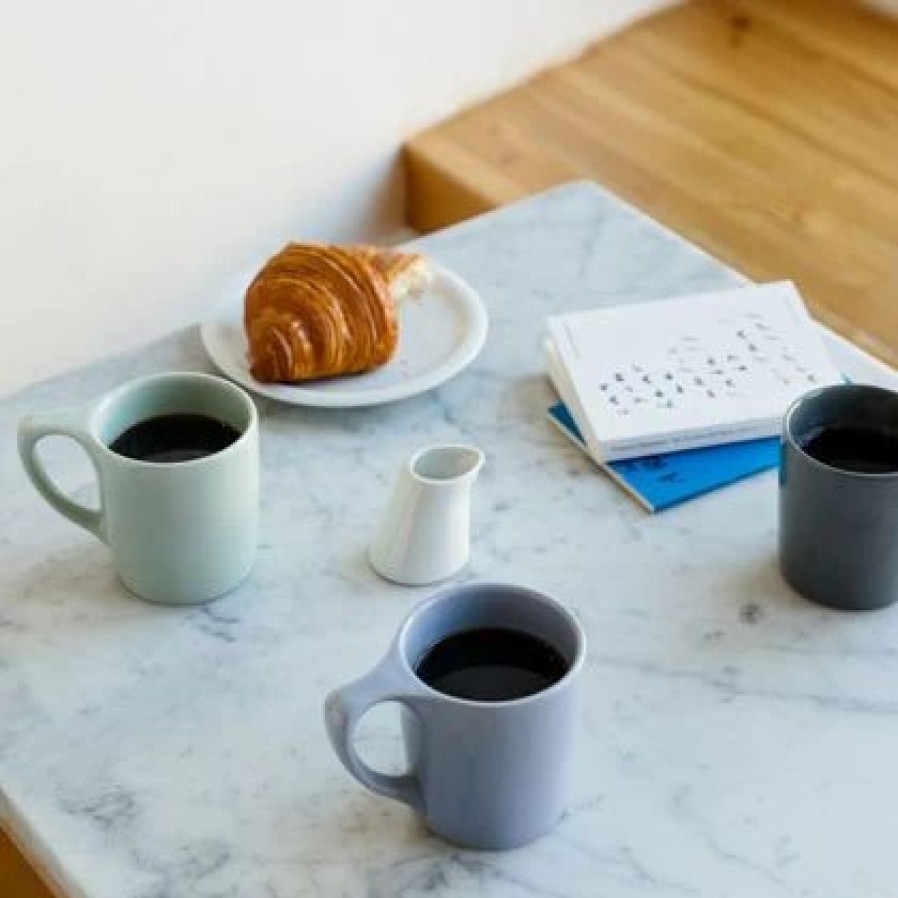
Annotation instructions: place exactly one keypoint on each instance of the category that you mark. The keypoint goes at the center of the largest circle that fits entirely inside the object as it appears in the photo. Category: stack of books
(678, 397)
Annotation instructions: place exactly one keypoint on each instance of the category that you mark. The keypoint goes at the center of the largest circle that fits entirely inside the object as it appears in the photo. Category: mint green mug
(180, 533)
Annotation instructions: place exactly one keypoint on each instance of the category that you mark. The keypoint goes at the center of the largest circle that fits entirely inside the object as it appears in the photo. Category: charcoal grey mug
(485, 775)
(838, 527)
(180, 533)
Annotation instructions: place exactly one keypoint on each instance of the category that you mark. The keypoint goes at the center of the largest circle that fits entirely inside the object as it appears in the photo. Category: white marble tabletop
(736, 740)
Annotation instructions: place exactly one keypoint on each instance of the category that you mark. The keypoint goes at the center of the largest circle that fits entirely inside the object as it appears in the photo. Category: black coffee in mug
(863, 450)
(491, 664)
(165, 439)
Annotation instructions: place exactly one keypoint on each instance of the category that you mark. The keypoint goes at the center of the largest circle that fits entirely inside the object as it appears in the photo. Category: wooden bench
(17, 878)
(765, 131)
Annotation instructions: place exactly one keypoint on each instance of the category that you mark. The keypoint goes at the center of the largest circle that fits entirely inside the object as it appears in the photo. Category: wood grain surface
(764, 131)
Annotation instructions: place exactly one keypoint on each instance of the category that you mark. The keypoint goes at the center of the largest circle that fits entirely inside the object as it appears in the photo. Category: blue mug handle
(345, 707)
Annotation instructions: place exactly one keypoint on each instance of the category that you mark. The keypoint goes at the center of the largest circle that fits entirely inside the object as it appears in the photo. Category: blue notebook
(662, 481)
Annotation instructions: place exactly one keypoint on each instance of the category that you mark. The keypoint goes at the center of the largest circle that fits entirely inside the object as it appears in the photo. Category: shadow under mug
(838, 528)
(180, 533)
(485, 775)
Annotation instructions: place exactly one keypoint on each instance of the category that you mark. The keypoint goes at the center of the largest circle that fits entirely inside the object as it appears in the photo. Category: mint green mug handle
(72, 424)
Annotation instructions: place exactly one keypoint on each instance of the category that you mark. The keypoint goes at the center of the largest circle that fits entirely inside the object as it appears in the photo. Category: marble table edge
(34, 850)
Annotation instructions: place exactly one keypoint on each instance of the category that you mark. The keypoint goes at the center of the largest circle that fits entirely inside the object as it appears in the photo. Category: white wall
(150, 149)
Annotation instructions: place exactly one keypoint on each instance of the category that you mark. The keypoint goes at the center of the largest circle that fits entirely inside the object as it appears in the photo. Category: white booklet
(665, 376)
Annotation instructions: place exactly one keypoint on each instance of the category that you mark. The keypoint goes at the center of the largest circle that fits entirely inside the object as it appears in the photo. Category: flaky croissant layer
(317, 311)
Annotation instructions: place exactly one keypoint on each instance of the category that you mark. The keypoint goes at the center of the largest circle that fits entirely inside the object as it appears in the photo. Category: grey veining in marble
(736, 740)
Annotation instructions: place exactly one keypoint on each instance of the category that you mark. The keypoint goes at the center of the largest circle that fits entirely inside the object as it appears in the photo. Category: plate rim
(469, 349)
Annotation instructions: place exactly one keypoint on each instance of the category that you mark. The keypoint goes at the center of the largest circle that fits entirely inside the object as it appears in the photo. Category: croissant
(317, 311)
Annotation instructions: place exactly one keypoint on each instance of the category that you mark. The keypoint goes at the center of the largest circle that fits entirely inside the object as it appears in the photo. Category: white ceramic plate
(440, 334)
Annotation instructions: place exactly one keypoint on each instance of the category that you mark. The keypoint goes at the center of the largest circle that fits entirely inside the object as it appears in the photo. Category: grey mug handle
(71, 423)
(346, 706)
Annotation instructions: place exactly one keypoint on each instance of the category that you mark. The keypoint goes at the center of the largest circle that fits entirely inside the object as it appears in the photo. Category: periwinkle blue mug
(180, 534)
(483, 774)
